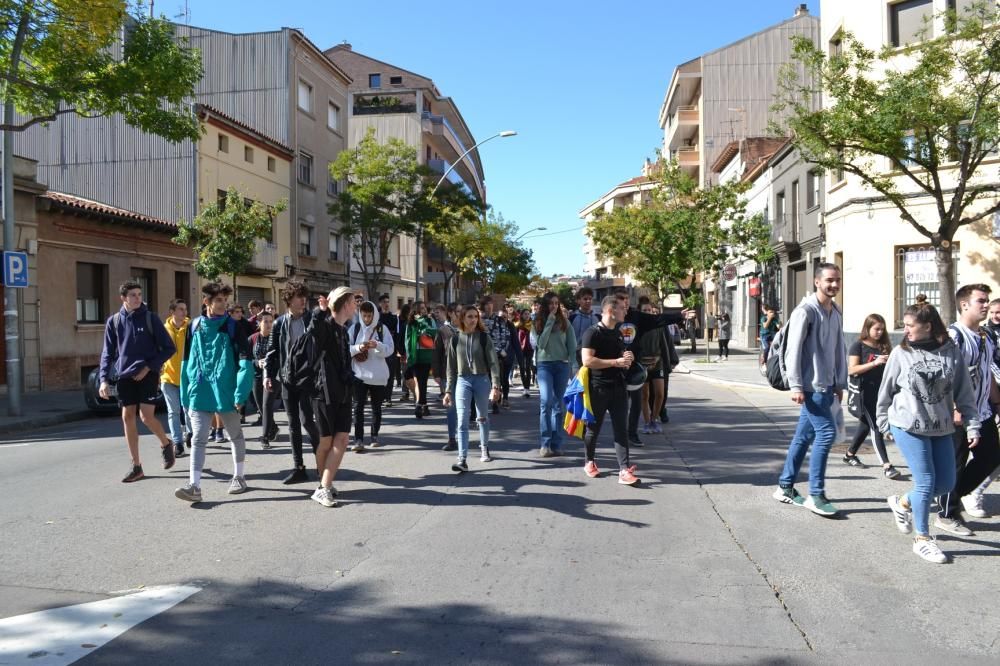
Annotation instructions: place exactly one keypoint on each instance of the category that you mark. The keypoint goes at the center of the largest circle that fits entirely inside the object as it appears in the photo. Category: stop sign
(729, 272)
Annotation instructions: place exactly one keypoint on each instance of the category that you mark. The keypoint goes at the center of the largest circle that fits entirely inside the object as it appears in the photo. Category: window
(334, 246)
(223, 143)
(146, 277)
(838, 172)
(395, 80)
(796, 231)
(916, 273)
(272, 164)
(305, 168)
(305, 97)
(182, 285)
(332, 186)
(248, 154)
(779, 214)
(91, 292)
(374, 80)
(305, 240)
(836, 45)
(333, 116)
(813, 179)
(220, 199)
(908, 21)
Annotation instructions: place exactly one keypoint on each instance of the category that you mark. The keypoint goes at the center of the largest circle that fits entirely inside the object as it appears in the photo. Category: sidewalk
(740, 369)
(41, 409)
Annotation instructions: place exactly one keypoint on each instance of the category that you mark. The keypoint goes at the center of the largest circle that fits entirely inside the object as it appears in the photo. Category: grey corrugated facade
(246, 77)
(744, 75)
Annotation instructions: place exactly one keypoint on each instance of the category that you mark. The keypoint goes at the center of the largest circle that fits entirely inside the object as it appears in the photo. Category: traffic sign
(729, 272)
(15, 269)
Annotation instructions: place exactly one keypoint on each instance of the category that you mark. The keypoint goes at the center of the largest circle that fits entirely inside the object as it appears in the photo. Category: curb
(725, 382)
(20, 424)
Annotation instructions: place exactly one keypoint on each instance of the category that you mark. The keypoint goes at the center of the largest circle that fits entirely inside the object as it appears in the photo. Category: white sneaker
(485, 457)
(325, 497)
(928, 549)
(359, 445)
(973, 504)
(903, 516)
(526, 394)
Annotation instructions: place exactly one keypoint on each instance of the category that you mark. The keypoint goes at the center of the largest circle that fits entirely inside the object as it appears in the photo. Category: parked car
(99, 405)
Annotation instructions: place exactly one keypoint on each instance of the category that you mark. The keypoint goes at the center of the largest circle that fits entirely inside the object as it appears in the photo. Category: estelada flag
(577, 401)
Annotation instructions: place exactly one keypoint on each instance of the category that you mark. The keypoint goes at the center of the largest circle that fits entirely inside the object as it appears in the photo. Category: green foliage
(933, 116)
(485, 250)
(224, 237)
(63, 56)
(566, 295)
(680, 231)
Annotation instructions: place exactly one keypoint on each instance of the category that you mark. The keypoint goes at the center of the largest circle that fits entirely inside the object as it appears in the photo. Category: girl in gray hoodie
(925, 381)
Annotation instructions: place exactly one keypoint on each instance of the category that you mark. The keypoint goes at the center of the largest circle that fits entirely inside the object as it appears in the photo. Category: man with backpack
(815, 358)
(288, 329)
(216, 379)
(583, 318)
(329, 367)
(136, 345)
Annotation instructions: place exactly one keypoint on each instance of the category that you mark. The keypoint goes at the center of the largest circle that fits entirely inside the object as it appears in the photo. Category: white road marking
(62, 635)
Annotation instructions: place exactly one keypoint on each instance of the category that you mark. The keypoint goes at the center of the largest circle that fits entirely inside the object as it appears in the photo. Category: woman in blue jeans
(925, 383)
(555, 349)
(473, 368)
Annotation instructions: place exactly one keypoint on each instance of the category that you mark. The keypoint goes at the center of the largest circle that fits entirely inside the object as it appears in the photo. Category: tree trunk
(236, 295)
(946, 276)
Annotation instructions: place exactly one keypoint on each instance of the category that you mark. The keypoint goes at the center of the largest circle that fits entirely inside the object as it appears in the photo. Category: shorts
(332, 419)
(654, 373)
(408, 373)
(145, 392)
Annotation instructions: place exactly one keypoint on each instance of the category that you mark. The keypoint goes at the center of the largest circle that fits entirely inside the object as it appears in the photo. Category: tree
(224, 236)
(934, 122)
(682, 232)
(490, 254)
(59, 57)
(450, 230)
(566, 295)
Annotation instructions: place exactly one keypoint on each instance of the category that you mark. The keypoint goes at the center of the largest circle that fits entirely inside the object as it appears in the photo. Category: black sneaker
(496, 407)
(187, 439)
(168, 456)
(854, 461)
(419, 413)
(891, 472)
(134, 475)
(273, 434)
(634, 440)
(178, 450)
(264, 444)
(460, 467)
(426, 410)
(297, 475)
(452, 445)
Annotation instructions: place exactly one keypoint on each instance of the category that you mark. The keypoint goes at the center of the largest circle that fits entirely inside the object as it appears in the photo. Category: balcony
(265, 259)
(688, 156)
(446, 140)
(370, 105)
(785, 236)
(682, 126)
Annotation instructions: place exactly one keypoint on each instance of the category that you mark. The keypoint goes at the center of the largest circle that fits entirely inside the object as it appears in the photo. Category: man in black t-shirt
(603, 352)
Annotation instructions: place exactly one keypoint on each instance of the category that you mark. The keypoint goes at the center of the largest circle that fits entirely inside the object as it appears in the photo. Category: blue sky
(581, 82)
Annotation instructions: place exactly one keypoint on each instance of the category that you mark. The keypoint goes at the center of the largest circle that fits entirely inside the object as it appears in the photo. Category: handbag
(855, 397)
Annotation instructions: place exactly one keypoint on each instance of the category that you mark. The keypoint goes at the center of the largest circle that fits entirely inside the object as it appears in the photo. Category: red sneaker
(627, 478)
(591, 469)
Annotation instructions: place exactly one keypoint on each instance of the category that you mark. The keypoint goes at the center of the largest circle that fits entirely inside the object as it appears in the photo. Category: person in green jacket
(555, 349)
(216, 378)
(420, 333)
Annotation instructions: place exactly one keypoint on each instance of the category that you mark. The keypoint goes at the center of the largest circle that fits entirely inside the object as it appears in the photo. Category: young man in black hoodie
(391, 321)
(633, 327)
(288, 328)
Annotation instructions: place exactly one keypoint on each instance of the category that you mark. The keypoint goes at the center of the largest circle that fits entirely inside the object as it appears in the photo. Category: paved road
(522, 560)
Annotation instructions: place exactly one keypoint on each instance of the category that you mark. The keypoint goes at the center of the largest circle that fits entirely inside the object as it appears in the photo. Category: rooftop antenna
(185, 13)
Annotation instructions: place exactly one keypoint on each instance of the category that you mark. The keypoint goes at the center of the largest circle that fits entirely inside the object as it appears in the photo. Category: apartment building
(886, 262)
(408, 106)
(725, 95)
(273, 84)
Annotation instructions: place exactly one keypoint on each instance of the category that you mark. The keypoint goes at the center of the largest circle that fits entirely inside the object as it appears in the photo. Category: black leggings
(866, 426)
(361, 393)
(527, 359)
(421, 371)
(265, 401)
(723, 348)
(972, 472)
(614, 400)
(506, 364)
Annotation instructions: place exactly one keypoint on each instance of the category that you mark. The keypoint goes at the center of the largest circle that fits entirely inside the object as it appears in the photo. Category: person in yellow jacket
(170, 377)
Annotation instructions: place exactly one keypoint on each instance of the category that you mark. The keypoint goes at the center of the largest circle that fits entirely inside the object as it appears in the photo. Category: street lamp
(420, 230)
(530, 231)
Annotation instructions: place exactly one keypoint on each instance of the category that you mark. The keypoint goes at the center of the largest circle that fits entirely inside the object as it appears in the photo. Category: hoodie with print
(922, 386)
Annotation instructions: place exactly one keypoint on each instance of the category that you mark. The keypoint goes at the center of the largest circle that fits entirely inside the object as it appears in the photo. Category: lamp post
(420, 230)
(530, 231)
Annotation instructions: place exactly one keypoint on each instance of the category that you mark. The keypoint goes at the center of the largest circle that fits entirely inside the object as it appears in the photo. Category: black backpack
(305, 365)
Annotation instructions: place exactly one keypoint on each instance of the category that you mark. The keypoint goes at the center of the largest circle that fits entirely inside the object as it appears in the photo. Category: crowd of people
(935, 394)
(329, 366)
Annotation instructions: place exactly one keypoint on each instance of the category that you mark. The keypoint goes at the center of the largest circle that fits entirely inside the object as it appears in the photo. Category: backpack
(484, 339)
(777, 370)
(305, 365)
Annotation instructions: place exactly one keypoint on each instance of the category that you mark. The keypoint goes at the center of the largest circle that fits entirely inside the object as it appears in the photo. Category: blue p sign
(15, 269)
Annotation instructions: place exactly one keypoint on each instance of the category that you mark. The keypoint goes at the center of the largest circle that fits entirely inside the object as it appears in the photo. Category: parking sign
(15, 269)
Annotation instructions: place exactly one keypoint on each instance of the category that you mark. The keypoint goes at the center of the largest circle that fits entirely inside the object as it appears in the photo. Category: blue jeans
(932, 466)
(552, 377)
(172, 396)
(467, 389)
(816, 426)
(452, 420)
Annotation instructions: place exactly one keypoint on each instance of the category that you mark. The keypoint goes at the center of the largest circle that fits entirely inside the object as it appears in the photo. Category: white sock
(195, 476)
(239, 469)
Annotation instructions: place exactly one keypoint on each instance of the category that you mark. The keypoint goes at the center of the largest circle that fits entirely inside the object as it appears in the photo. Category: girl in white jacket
(371, 345)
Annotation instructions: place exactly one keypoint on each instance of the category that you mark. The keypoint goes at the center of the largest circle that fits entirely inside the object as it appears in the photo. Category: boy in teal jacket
(216, 378)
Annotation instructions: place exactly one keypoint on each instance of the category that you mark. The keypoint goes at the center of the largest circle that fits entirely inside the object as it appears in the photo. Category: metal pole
(10, 310)
(416, 296)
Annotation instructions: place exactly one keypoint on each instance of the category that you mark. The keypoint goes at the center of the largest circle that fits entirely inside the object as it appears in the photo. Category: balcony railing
(688, 156)
(265, 258)
(404, 102)
(687, 114)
